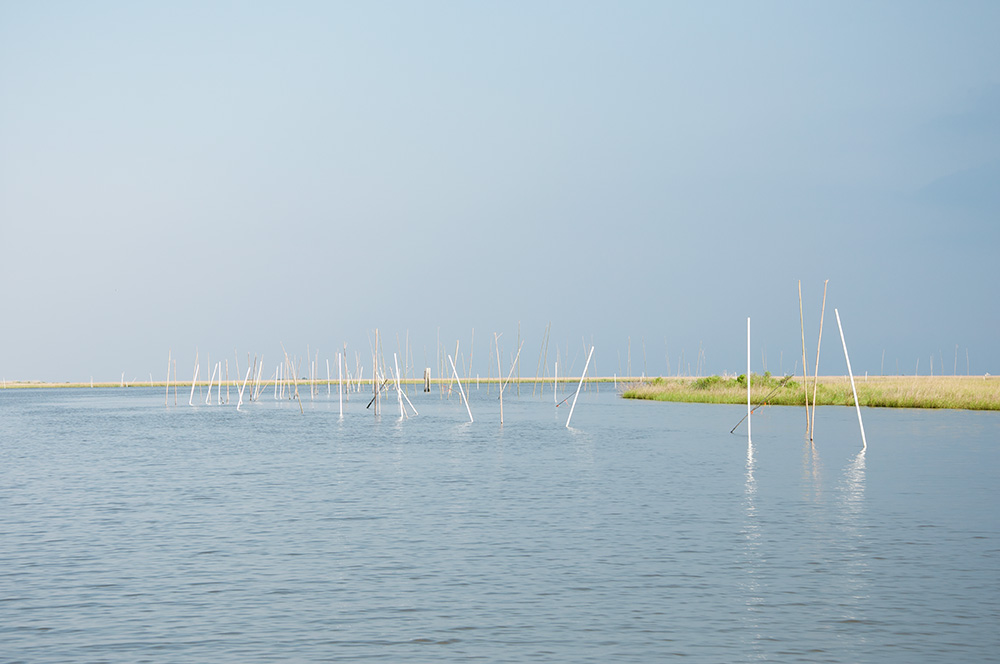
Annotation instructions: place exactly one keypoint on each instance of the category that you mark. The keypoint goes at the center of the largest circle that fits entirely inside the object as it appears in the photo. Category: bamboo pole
(853, 389)
(582, 376)
(496, 340)
(340, 384)
(166, 398)
(812, 422)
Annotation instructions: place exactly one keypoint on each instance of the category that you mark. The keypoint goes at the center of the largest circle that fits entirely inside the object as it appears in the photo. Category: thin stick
(763, 402)
(496, 340)
(340, 383)
(812, 423)
(460, 390)
(582, 376)
(805, 374)
(166, 398)
(512, 368)
(853, 389)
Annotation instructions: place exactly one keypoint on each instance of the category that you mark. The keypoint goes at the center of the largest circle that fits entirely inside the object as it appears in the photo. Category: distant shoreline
(955, 392)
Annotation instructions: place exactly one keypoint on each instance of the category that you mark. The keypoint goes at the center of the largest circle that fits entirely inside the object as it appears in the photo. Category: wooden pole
(857, 407)
(166, 398)
(805, 371)
(812, 422)
(496, 340)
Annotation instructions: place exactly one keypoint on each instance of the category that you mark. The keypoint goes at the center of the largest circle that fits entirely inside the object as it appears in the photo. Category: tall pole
(805, 371)
(822, 313)
(853, 389)
(749, 439)
(582, 376)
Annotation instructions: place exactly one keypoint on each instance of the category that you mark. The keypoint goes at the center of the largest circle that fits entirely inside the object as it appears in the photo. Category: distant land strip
(958, 392)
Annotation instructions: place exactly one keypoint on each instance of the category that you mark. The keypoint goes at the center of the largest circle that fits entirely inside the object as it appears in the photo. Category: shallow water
(131, 531)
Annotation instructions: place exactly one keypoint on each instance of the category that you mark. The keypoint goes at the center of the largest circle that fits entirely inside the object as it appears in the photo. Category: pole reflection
(855, 557)
(752, 591)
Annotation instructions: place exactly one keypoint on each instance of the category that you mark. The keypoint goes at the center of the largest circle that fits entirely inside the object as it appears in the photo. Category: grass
(959, 392)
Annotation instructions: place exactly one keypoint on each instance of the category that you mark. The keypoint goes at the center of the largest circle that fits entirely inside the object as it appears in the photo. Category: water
(134, 532)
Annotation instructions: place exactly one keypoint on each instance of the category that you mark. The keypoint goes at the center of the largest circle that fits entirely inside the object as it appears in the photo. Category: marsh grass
(960, 392)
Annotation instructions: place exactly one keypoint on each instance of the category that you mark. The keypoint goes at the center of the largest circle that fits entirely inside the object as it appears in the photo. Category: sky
(224, 178)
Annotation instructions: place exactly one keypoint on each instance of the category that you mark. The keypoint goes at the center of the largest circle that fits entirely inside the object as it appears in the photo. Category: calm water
(134, 532)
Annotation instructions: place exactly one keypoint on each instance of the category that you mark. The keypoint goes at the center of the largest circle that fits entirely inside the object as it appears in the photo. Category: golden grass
(960, 392)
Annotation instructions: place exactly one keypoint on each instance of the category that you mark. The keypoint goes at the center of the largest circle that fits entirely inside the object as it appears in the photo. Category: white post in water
(340, 384)
(460, 390)
(582, 376)
(749, 439)
(194, 381)
(243, 387)
(399, 391)
(853, 389)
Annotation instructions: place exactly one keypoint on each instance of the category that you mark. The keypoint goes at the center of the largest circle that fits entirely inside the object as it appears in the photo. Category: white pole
(399, 391)
(277, 379)
(340, 384)
(411, 403)
(218, 390)
(589, 355)
(861, 424)
(749, 439)
(208, 399)
(244, 386)
(555, 383)
(193, 382)
(460, 390)
(256, 390)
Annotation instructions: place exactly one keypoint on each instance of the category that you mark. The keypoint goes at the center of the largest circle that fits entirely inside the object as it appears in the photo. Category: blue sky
(220, 176)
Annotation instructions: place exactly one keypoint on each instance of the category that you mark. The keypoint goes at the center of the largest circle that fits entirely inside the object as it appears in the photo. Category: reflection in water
(753, 598)
(854, 523)
(811, 467)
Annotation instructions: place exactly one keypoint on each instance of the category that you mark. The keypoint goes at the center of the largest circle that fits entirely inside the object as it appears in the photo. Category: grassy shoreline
(956, 392)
